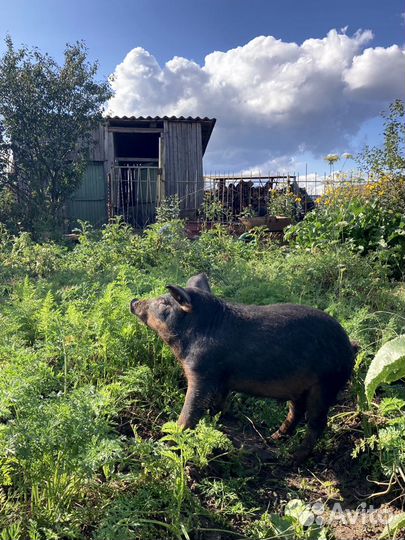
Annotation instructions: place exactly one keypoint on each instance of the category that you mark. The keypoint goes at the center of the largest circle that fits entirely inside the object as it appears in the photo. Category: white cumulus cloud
(270, 98)
(376, 72)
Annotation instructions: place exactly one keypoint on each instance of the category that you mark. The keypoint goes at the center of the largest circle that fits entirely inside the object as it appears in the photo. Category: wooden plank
(108, 152)
(97, 151)
(161, 188)
(182, 149)
(183, 163)
(185, 154)
(116, 129)
(193, 167)
(171, 183)
(199, 180)
(186, 129)
(166, 157)
(190, 161)
(176, 160)
(117, 158)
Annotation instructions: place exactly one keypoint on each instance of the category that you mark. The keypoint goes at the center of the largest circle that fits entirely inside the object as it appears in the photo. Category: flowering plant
(369, 216)
(283, 202)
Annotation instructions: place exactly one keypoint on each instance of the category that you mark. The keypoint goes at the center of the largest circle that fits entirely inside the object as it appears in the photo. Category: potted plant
(281, 209)
(250, 219)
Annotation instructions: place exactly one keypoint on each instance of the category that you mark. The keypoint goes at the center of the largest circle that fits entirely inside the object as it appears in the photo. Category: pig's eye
(163, 308)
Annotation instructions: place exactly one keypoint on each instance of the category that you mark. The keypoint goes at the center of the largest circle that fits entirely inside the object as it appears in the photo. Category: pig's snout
(139, 308)
(133, 304)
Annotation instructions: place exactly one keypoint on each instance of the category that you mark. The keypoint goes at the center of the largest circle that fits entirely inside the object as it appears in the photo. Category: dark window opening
(118, 122)
(137, 148)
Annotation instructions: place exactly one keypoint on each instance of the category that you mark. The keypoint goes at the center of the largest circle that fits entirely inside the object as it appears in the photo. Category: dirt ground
(339, 486)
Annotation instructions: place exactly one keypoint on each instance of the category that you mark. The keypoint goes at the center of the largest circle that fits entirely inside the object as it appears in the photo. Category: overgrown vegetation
(368, 217)
(86, 390)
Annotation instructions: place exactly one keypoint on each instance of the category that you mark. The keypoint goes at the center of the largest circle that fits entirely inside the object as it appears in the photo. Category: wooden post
(161, 188)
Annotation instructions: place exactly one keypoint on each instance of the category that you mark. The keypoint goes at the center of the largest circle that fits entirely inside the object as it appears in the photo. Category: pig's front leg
(199, 396)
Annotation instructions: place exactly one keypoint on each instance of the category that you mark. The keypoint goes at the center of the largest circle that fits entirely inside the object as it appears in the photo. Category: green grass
(86, 390)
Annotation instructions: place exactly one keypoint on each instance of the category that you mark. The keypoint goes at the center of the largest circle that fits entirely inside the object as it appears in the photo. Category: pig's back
(280, 340)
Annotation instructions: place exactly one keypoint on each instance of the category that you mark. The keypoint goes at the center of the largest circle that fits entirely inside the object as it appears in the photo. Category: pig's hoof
(300, 456)
(278, 436)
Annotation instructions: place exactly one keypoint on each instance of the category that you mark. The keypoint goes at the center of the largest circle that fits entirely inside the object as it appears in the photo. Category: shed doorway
(133, 180)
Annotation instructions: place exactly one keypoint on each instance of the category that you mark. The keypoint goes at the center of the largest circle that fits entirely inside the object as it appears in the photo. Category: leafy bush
(57, 106)
(388, 366)
(283, 202)
(388, 158)
(298, 522)
(168, 210)
(369, 218)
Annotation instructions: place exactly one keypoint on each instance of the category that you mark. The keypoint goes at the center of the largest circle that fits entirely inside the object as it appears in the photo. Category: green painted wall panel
(89, 202)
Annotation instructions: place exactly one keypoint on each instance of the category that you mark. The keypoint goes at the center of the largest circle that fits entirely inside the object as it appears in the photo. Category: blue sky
(195, 29)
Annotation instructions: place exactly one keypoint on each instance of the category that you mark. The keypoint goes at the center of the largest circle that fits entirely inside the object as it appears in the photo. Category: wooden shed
(138, 161)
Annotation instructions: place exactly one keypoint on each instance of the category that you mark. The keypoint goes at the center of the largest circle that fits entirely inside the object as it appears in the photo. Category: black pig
(283, 351)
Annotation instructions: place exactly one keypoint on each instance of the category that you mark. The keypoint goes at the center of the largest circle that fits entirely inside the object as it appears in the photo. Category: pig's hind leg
(295, 414)
(218, 402)
(317, 405)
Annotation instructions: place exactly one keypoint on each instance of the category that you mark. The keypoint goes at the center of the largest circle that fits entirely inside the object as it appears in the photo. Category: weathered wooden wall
(183, 173)
(97, 152)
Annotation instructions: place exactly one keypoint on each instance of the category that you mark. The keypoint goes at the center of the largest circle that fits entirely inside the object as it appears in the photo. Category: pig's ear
(200, 281)
(181, 296)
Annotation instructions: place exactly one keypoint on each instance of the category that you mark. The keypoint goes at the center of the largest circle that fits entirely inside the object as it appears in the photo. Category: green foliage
(168, 210)
(283, 202)
(229, 497)
(297, 523)
(390, 157)
(5, 155)
(387, 366)
(48, 112)
(393, 527)
(88, 395)
(162, 504)
(247, 212)
(213, 210)
(368, 217)
(387, 440)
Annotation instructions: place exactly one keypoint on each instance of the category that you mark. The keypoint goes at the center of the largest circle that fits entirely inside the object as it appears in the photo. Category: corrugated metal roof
(157, 118)
(207, 124)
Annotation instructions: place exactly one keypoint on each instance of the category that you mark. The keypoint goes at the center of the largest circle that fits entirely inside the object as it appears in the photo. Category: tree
(6, 198)
(48, 112)
(4, 155)
(390, 157)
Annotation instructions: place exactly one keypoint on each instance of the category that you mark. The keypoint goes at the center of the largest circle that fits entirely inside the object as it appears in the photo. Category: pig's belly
(284, 389)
